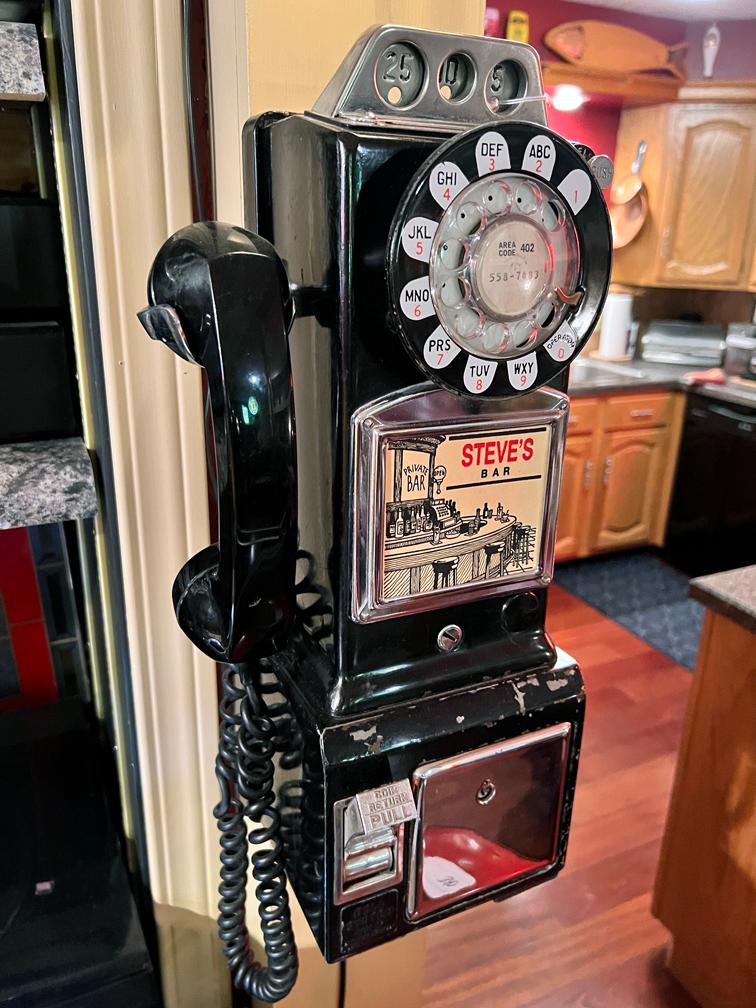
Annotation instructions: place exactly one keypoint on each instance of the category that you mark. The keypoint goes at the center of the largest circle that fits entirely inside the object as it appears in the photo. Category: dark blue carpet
(642, 594)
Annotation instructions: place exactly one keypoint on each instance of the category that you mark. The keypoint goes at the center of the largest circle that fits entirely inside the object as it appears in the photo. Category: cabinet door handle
(608, 469)
(587, 475)
(641, 412)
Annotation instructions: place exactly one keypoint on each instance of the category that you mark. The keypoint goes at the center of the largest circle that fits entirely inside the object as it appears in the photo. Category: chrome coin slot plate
(413, 78)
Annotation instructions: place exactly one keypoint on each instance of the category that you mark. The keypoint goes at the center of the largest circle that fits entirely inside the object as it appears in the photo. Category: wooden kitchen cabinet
(575, 496)
(699, 172)
(629, 488)
(618, 472)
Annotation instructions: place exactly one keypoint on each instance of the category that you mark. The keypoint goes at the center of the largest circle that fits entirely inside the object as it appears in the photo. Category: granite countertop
(731, 593)
(45, 481)
(20, 63)
(592, 377)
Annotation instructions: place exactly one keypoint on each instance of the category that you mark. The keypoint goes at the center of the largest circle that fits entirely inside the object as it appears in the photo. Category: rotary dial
(499, 260)
(504, 266)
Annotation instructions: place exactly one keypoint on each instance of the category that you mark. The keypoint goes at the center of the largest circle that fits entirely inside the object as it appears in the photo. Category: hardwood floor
(587, 939)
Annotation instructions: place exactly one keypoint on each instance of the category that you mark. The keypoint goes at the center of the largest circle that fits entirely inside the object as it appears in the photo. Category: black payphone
(425, 257)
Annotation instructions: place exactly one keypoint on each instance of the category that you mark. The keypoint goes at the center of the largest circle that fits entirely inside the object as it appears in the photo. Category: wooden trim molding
(717, 91)
(128, 60)
(631, 88)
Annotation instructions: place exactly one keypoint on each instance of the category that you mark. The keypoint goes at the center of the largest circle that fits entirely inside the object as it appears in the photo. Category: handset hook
(219, 297)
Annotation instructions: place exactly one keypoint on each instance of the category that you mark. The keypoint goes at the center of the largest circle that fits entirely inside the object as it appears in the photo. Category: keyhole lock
(485, 792)
(449, 638)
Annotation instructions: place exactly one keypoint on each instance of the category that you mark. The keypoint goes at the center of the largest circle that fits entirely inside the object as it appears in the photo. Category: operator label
(576, 189)
(446, 180)
(540, 156)
(562, 344)
(415, 299)
(417, 237)
(440, 349)
(462, 507)
(492, 153)
(479, 374)
(523, 371)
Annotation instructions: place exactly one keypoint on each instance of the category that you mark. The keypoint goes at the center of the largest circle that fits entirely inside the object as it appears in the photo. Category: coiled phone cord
(249, 737)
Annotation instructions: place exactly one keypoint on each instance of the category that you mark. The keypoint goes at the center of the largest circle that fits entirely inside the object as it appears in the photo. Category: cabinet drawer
(583, 417)
(628, 412)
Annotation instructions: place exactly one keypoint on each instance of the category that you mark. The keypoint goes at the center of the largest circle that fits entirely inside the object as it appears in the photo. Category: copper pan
(629, 207)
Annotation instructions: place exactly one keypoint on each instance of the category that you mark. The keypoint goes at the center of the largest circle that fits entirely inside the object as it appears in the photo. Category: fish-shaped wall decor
(600, 45)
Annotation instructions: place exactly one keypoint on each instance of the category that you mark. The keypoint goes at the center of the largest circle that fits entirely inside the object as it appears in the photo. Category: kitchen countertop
(731, 593)
(45, 481)
(644, 376)
(20, 63)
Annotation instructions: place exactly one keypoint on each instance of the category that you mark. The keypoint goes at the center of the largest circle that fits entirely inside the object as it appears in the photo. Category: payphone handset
(423, 259)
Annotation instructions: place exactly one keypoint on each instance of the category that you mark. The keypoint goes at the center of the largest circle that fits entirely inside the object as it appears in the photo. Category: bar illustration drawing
(462, 508)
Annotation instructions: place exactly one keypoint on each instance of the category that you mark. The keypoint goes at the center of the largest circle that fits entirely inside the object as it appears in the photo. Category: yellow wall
(295, 47)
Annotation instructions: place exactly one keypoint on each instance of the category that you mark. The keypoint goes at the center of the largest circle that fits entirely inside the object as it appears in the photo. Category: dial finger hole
(552, 215)
(466, 322)
(453, 292)
(527, 197)
(469, 218)
(523, 332)
(452, 253)
(495, 338)
(497, 198)
(545, 313)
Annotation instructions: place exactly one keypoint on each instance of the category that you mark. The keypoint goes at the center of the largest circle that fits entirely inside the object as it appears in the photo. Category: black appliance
(70, 930)
(712, 518)
(37, 384)
(424, 257)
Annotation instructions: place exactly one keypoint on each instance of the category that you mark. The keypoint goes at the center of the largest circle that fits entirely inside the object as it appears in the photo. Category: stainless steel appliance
(695, 344)
(740, 350)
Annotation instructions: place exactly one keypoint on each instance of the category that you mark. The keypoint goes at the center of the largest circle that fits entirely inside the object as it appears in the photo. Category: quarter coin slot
(400, 75)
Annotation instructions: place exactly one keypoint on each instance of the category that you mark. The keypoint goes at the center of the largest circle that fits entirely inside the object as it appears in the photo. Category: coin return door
(369, 840)
(487, 819)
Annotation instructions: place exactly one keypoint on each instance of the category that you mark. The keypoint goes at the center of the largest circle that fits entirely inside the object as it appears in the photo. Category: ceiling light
(567, 97)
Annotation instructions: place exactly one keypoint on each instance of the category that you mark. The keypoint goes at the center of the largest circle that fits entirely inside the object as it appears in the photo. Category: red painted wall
(594, 124)
(736, 59)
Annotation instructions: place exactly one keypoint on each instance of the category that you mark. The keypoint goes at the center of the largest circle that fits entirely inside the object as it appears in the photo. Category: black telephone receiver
(219, 297)
(453, 255)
